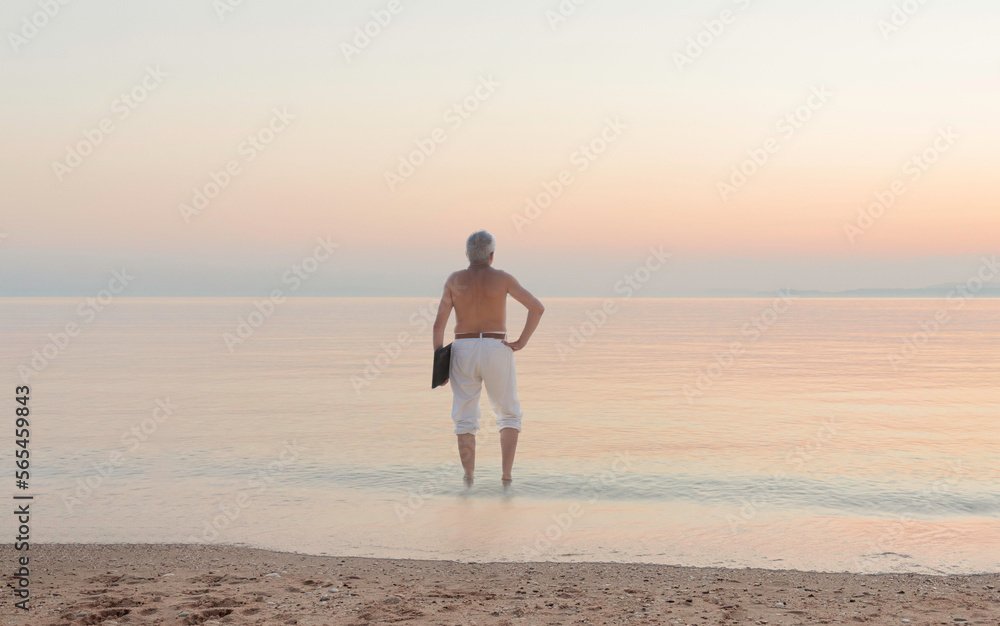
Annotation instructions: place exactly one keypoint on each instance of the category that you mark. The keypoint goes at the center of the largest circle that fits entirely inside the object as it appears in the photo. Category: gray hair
(480, 246)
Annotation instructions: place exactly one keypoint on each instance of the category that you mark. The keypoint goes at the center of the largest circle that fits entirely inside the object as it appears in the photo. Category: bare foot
(468, 481)
(506, 483)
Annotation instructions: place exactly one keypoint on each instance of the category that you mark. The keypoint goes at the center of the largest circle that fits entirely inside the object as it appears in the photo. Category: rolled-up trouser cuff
(509, 422)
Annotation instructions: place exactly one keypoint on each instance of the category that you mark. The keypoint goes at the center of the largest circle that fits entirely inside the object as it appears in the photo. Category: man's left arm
(444, 312)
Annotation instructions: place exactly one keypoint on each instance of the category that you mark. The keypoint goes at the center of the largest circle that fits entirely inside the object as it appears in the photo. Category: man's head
(479, 247)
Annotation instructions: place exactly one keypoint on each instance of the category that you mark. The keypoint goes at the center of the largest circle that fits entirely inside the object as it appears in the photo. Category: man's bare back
(479, 296)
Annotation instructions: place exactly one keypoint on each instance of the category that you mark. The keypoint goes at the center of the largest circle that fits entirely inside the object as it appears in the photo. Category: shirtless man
(481, 353)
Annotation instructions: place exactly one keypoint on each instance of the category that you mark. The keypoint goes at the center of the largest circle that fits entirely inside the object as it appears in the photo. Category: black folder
(442, 366)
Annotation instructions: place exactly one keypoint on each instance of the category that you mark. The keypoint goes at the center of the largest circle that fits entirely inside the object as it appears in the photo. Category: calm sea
(855, 435)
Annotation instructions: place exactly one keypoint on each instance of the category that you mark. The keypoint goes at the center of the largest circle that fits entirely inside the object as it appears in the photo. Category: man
(481, 353)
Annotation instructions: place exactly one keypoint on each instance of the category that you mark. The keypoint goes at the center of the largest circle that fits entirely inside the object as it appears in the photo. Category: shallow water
(821, 441)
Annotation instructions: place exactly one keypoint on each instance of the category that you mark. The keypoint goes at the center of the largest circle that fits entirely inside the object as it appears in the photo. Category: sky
(762, 144)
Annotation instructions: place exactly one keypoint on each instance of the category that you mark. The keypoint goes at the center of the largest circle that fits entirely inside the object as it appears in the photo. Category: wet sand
(191, 584)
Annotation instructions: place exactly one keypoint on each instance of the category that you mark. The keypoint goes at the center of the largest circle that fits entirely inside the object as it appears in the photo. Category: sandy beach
(191, 584)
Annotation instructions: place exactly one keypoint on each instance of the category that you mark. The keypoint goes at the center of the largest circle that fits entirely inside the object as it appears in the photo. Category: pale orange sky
(656, 183)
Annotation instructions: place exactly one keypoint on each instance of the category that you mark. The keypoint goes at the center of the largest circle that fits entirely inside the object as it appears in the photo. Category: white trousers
(479, 361)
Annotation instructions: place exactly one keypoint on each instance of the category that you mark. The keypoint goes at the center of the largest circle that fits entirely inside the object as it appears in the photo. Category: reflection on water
(677, 431)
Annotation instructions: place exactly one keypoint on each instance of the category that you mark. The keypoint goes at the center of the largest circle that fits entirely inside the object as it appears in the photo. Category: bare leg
(467, 452)
(508, 444)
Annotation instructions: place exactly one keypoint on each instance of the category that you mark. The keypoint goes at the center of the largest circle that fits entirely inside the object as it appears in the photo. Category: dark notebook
(442, 366)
